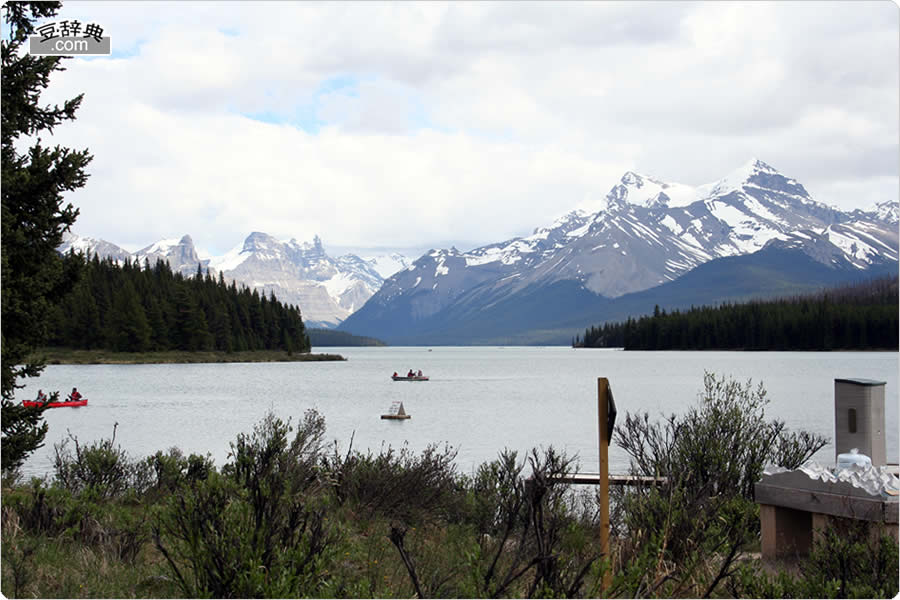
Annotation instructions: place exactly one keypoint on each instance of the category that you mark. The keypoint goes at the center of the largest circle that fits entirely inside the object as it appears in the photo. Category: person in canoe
(419, 374)
(410, 374)
(395, 374)
(74, 396)
(41, 396)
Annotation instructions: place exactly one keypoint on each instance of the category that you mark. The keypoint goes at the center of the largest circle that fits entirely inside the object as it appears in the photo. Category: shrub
(846, 561)
(259, 527)
(17, 553)
(509, 535)
(102, 467)
(172, 470)
(719, 447)
(398, 485)
(402, 488)
(41, 509)
(861, 565)
(700, 521)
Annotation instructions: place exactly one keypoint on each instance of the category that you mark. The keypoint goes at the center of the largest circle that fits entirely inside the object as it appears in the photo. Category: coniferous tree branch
(34, 218)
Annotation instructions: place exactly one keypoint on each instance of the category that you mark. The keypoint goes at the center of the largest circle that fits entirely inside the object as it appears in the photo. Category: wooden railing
(594, 479)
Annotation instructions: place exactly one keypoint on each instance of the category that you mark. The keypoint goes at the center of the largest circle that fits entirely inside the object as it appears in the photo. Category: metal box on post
(859, 418)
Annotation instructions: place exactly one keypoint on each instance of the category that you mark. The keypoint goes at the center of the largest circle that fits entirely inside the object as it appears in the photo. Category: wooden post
(602, 416)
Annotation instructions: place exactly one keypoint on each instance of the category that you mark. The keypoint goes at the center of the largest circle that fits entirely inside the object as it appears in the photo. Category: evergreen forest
(143, 308)
(862, 316)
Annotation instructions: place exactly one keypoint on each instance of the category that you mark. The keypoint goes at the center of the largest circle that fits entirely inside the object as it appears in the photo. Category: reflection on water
(479, 399)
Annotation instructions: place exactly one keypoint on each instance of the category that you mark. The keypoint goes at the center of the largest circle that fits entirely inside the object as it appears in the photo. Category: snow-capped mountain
(648, 233)
(888, 212)
(326, 289)
(180, 254)
(93, 246)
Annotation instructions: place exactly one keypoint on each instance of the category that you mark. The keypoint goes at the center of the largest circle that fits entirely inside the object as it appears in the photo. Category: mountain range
(327, 289)
(646, 235)
(753, 233)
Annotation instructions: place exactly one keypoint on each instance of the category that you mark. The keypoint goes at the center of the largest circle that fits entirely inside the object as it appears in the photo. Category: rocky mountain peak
(758, 166)
(91, 246)
(309, 251)
(258, 240)
(632, 178)
(640, 190)
(756, 174)
(179, 253)
(887, 211)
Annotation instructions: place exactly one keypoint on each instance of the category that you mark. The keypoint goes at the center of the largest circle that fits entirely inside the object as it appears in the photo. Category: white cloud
(391, 124)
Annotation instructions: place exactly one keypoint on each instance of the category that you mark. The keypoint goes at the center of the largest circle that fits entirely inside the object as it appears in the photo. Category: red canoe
(32, 403)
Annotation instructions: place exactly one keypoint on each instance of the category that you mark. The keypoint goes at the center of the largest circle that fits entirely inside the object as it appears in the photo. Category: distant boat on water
(410, 376)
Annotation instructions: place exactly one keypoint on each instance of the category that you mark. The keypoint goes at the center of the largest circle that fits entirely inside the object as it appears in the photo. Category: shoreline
(65, 356)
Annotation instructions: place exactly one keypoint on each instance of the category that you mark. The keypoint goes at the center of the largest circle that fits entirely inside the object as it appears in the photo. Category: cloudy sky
(424, 125)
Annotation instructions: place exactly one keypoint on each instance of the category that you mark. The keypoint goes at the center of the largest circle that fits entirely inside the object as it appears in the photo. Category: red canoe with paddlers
(33, 403)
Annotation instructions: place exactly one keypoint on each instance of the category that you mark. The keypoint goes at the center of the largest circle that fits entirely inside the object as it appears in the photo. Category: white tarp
(876, 481)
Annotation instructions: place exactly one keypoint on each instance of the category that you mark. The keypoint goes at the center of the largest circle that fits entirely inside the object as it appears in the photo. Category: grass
(72, 570)
(59, 567)
(68, 356)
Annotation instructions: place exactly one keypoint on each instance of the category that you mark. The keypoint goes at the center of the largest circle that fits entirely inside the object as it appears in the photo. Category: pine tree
(128, 322)
(191, 330)
(159, 331)
(34, 219)
(84, 329)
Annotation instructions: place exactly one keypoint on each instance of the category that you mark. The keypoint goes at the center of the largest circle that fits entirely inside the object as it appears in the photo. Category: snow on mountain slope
(326, 289)
(86, 245)
(863, 243)
(889, 212)
(387, 264)
(642, 190)
(181, 255)
(230, 260)
(886, 211)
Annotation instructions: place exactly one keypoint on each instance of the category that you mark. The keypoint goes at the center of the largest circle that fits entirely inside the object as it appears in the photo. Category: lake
(479, 400)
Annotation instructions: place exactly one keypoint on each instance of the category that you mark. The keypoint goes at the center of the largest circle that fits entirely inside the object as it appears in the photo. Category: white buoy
(396, 412)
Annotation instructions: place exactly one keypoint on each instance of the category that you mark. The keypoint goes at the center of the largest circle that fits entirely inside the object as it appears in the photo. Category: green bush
(846, 561)
(500, 534)
(396, 484)
(400, 488)
(718, 447)
(172, 470)
(703, 518)
(102, 468)
(259, 528)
